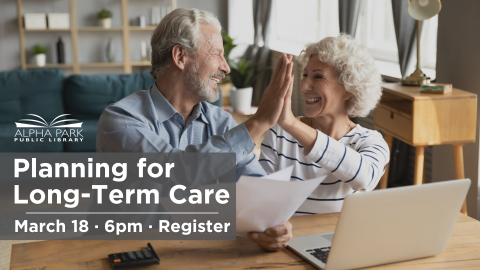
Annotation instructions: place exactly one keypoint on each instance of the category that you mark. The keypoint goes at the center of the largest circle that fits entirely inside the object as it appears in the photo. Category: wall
(91, 44)
(458, 59)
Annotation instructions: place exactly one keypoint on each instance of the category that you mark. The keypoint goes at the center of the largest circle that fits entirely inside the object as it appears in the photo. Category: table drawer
(394, 123)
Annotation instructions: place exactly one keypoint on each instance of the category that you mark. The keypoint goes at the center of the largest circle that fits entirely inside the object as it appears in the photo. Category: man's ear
(179, 56)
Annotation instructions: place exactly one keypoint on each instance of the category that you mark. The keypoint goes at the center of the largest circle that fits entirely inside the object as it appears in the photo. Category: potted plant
(243, 74)
(105, 17)
(40, 55)
(227, 48)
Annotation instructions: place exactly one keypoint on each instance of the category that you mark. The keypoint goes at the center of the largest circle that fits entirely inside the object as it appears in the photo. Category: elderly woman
(339, 81)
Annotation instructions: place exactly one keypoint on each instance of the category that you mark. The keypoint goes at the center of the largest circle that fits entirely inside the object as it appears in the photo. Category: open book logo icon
(44, 124)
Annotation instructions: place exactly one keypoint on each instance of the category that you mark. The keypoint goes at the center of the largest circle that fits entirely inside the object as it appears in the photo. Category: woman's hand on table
(273, 239)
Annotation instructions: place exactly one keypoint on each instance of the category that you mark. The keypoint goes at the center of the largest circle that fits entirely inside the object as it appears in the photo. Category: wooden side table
(421, 120)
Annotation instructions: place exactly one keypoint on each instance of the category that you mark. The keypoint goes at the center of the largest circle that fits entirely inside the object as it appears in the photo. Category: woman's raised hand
(273, 99)
(286, 117)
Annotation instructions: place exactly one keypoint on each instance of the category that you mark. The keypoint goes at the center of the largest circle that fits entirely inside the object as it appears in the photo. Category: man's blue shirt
(146, 122)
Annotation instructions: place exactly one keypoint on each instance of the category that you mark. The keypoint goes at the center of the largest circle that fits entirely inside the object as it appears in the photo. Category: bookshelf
(76, 66)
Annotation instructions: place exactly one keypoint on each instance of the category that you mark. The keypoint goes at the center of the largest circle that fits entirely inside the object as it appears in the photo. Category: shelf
(47, 30)
(146, 28)
(123, 28)
(51, 65)
(102, 64)
(141, 64)
(98, 28)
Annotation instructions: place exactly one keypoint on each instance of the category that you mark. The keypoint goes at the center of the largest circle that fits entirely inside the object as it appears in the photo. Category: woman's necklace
(348, 129)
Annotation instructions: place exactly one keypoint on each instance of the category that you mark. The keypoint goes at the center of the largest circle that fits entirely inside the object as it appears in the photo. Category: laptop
(386, 226)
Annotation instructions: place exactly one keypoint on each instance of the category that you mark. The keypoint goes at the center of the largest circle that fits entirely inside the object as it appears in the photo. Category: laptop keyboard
(320, 253)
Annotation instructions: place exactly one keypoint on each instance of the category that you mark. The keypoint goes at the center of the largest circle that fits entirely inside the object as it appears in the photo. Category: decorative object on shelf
(141, 21)
(143, 47)
(40, 55)
(436, 88)
(242, 76)
(156, 17)
(105, 17)
(34, 21)
(110, 51)
(421, 10)
(58, 20)
(60, 51)
(165, 10)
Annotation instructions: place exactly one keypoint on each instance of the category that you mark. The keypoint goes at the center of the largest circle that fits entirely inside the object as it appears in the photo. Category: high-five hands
(273, 99)
(275, 104)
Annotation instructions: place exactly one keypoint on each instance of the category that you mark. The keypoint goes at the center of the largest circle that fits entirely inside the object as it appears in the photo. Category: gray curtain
(260, 55)
(402, 155)
(349, 11)
(406, 33)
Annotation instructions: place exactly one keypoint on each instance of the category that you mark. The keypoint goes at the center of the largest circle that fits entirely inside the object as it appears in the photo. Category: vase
(241, 99)
(40, 59)
(110, 51)
(60, 51)
(106, 23)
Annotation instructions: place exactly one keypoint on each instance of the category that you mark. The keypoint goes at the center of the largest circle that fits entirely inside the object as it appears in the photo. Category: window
(296, 23)
(376, 31)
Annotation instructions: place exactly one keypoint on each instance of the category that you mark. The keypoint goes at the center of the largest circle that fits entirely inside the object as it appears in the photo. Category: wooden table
(421, 120)
(463, 251)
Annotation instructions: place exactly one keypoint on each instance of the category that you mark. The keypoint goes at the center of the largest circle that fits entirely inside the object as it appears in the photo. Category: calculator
(134, 258)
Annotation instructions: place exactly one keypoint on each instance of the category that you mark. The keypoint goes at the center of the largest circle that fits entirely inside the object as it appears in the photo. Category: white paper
(265, 203)
(282, 175)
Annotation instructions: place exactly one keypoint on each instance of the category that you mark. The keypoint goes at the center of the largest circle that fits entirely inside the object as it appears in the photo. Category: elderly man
(173, 115)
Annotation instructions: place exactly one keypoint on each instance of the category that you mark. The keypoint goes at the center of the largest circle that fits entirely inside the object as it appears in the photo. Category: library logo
(41, 131)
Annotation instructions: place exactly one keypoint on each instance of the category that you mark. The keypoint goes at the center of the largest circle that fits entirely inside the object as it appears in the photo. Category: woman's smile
(312, 100)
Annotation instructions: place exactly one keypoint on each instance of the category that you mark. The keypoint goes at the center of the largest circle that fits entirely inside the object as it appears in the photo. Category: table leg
(384, 179)
(419, 162)
(458, 153)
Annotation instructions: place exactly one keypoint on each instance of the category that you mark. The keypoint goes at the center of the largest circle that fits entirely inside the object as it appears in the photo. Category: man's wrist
(256, 127)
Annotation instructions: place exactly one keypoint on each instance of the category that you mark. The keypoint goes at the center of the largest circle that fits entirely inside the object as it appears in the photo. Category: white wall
(458, 63)
(91, 44)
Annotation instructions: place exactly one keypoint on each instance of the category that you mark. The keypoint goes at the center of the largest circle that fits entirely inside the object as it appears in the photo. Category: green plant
(227, 45)
(104, 14)
(243, 73)
(39, 49)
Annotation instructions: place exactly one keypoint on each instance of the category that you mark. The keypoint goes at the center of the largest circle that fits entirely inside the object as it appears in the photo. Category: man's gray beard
(194, 82)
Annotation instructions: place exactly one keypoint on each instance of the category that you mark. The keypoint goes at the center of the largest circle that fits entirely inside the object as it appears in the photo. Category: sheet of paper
(264, 203)
(282, 175)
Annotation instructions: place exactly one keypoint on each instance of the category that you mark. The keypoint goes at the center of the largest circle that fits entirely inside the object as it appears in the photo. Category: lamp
(421, 10)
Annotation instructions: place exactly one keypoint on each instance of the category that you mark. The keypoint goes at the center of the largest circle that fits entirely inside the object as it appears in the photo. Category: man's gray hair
(182, 27)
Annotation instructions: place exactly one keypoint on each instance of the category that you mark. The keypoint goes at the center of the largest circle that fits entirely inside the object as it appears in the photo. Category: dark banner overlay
(121, 196)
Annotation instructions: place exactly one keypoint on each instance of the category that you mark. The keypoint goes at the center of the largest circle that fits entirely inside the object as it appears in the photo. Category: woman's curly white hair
(355, 68)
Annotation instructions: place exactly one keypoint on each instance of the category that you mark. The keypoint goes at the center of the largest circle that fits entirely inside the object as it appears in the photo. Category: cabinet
(422, 120)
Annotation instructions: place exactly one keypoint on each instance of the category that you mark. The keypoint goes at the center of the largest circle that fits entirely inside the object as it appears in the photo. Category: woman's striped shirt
(355, 163)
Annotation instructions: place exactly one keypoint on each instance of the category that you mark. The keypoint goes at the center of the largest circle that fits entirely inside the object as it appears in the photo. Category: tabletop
(463, 251)
(413, 92)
